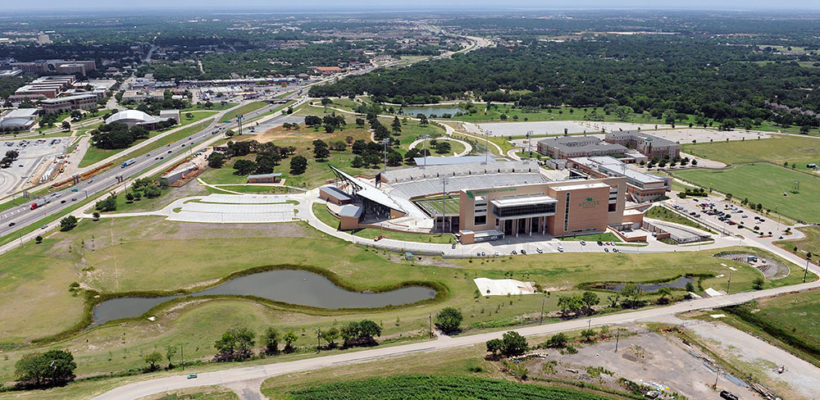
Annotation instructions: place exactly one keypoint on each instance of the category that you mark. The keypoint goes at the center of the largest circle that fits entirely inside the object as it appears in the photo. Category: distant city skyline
(418, 5)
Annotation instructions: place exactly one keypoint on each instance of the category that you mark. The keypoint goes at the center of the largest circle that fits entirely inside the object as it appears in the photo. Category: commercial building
(641, 187)
(56, 67)
(265, 178)
(485, 201)
(18, 120)
(69, 103)
(133, 118)
(578, 146)
(170, 114)
(648, 145)
(47, 87)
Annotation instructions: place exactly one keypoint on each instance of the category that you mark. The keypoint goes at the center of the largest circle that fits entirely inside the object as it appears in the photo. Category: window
(480, 220)
(566, 214)
(613, 207)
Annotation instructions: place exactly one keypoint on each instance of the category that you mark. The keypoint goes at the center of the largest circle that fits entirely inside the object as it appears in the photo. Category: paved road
(229, 377)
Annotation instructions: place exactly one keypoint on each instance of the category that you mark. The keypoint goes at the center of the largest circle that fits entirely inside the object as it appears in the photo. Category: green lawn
(230, 116)
(320, 211)
(764, 183)
(559, 114)
(373, 233)
(665, 214)
(811, 243)
(216, 107)
(151, 254)
(777, 150)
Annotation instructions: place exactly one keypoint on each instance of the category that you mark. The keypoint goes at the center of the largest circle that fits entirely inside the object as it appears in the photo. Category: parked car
(538, 249)
(560, 249)
(583, 243)
(727, 395)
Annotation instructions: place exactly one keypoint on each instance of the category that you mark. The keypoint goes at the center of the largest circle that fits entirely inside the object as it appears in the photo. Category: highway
(19, 217)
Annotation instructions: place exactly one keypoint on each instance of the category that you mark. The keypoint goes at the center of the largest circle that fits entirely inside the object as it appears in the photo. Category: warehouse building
(641, 187)
(648, 145)
(578, 146)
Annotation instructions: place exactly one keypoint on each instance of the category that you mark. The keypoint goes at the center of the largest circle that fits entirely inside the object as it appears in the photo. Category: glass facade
(525, 209)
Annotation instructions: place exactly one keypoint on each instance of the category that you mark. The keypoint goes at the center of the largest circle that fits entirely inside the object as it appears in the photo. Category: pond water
(679, 283)
(428, 111)
(284, 285)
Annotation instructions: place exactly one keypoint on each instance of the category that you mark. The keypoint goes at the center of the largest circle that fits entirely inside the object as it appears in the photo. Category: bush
(68, 223)
(449, 320)
(558, 340)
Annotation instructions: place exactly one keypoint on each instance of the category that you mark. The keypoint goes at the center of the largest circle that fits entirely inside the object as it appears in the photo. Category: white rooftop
(523, 200)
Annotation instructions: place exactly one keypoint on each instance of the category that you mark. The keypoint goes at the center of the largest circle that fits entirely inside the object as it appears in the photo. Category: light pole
(806, 272)
(443, 202)
(426, 139)
(542, 311)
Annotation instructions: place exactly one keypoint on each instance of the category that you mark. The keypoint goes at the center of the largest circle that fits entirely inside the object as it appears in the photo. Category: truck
(39, 203)
(128, 162)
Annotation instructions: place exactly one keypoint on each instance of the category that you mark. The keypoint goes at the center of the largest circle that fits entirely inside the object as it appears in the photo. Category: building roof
(580, 186)
(368, 191)
(22, 113)
(636, 135)
(351, 210)
(451, 170)
(452, 160)
(59, 100)
(132, 116)
(581, 145)
(335, 192)
(262, 176)
(612, 167)
(523, 200)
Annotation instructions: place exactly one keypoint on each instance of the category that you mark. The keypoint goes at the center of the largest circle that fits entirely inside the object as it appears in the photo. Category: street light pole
(443, 202)
(542, 311)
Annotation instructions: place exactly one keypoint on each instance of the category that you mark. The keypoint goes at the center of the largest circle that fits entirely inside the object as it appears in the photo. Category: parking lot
(727, 216)
(31, 161)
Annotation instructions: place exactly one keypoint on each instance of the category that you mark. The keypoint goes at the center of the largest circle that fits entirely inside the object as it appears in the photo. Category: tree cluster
(510, 344)
(117, 135)
(44, 370)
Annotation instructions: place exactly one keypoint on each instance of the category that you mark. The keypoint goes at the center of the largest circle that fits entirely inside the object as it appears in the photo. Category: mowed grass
(811, 243)
(665, 214)
(777, 150)
(231, 115)
(516, 114)
(764, 183)
(151, 254)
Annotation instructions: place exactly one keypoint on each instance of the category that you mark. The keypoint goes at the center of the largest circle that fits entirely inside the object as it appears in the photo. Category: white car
(561, 249)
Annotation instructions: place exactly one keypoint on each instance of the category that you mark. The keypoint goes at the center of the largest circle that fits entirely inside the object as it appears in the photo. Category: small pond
(679, 283)
(284, 285)
(428, 111)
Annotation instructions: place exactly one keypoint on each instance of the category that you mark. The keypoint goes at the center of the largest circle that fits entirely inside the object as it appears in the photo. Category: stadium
(479, 200)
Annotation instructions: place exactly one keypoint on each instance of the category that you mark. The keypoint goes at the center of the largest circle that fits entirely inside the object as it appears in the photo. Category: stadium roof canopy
(365, 190)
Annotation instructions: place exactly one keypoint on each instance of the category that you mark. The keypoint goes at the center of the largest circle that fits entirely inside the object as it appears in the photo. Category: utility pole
(617, 338)
(431, 324)
(385, 142)
(182, 355)
(717, 375)
(729, 282)
(239, 118)
(542, 311)
(318, 343)
(426, 139)
(806, 272)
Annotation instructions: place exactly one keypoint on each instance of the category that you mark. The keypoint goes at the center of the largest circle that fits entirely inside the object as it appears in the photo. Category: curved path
(467, 146)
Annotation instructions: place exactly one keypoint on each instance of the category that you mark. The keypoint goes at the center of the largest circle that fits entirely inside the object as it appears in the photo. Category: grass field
(777, 150)
(665, 214)
(764, 183)
(559, 114)
(433, 205)
(230, 116)
(151, 254)
(811, 243)
(439, 387)
(789, 321)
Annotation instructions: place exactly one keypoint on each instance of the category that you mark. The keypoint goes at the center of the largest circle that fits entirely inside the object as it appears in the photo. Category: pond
(428, 111)
(283, 285)
(679, 283)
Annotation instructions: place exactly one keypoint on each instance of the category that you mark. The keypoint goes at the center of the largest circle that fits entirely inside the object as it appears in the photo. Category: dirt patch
(651, 359)
(771, 269)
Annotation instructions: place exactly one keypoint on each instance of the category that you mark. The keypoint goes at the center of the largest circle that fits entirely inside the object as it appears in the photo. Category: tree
(216, 160)
(558, 340)
(449, 320)
(357, 162)
(66, 126)
(298, 165)
(244, 167)
(494, 346)
(394, 159)
(569, 305)
(360, 333)
(96, 216)
(590, 299)
(360, 122)
(423, 119)
(153, 360)
(38, 239)
(271, 340)
(632, 293)
(320, 150)
(170, 352)
(514, 344)
(235, 344)
(396, 125)
(330, 336)
(49, 369)
(68, 223)
(757, 284)
(312, 121)
(289, 338)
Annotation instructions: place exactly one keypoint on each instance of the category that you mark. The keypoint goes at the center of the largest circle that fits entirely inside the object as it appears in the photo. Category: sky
(408, 5)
